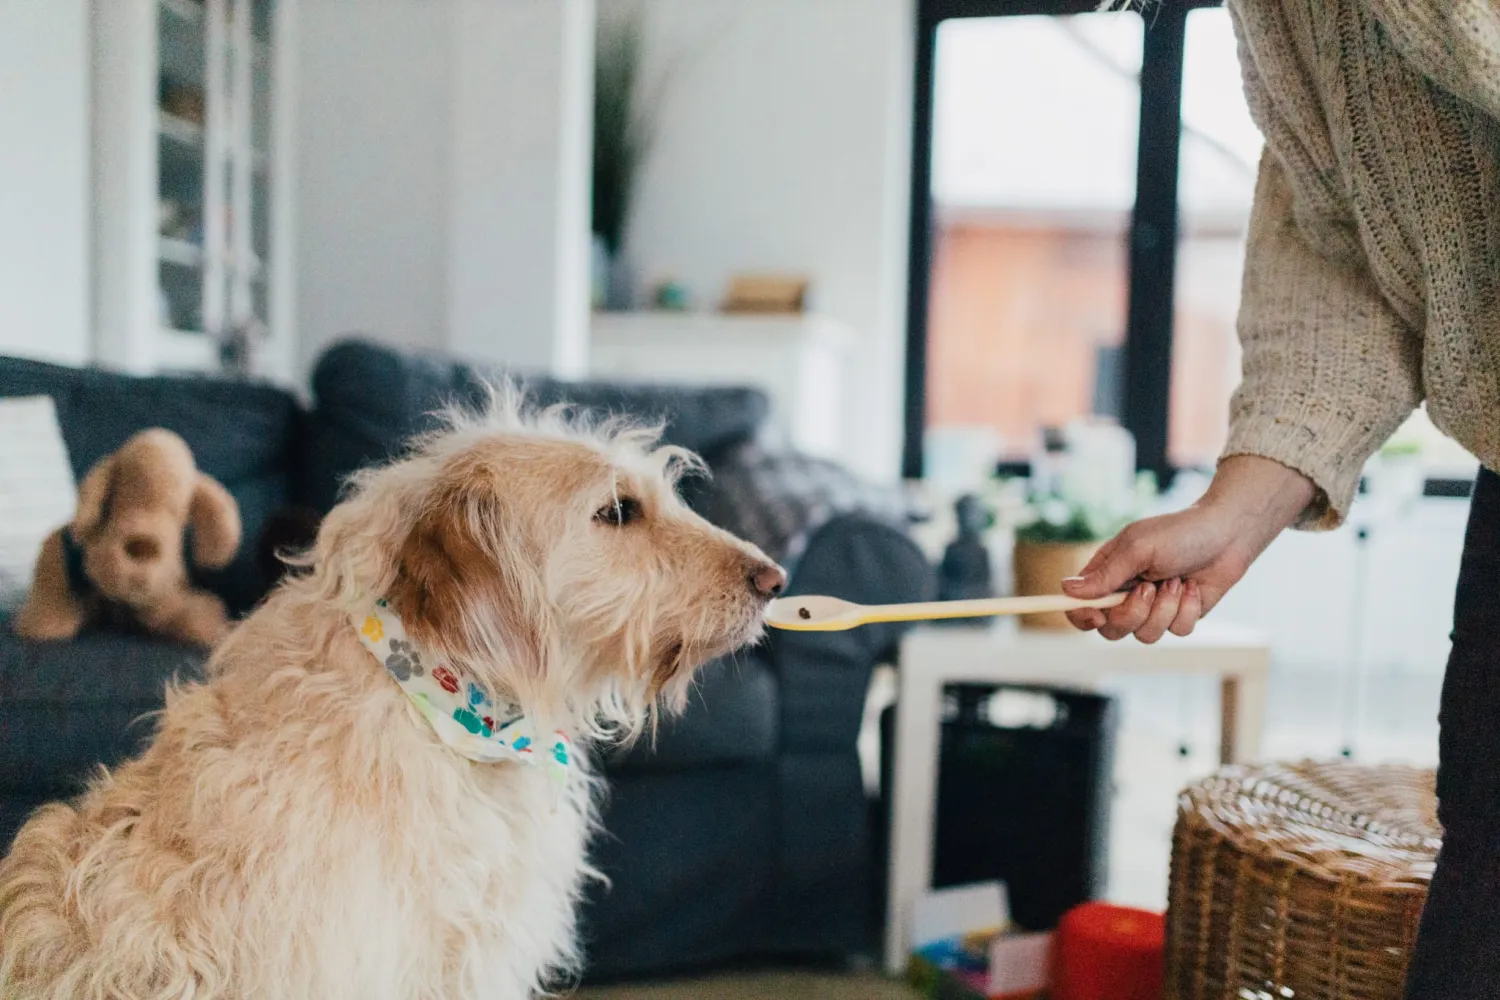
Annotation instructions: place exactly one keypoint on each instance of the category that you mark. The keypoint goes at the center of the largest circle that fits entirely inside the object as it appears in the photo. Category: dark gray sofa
(744, 832)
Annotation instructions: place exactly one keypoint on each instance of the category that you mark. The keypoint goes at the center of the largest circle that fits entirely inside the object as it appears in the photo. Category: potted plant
(624, 128)
(1058, 538)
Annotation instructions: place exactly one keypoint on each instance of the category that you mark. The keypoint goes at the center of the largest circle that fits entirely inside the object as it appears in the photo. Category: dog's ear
(286, 539)
(93, 498)
(457, 589)
(215, 518)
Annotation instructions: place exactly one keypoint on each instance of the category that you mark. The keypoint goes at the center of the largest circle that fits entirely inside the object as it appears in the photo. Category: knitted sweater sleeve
(1330, 371)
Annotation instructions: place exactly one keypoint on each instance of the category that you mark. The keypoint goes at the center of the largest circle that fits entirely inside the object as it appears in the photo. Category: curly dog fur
(296, 830)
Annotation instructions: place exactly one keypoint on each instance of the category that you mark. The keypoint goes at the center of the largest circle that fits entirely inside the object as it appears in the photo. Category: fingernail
(1174, 586)
(1072, 582)
(1144, 590)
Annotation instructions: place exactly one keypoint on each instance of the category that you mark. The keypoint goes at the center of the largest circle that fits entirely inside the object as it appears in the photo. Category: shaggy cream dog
(309, 822)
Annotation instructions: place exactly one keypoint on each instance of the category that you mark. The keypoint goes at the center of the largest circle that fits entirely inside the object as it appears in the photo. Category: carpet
(761, 986)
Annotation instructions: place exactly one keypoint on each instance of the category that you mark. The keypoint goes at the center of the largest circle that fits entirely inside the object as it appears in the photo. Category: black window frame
(1146, 376)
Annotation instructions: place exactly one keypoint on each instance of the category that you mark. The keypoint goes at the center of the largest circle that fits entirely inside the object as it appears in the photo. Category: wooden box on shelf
(759, 293)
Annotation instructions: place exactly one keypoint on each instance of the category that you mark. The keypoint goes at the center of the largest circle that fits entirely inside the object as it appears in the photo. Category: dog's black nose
(767, 579)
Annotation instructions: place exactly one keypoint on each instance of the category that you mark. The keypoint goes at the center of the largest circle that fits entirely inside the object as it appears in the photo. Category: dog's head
(553, 559)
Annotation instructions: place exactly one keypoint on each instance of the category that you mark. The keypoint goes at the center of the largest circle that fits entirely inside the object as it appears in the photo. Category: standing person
(1371, 284)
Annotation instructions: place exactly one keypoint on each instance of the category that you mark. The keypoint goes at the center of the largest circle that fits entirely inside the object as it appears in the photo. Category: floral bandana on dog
(458, 708)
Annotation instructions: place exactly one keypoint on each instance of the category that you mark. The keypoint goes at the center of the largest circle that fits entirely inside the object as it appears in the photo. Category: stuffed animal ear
(51, 611)
(215, 518)
(93, 497)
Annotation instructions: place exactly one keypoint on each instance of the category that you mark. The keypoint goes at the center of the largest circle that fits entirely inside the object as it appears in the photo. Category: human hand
(1186, 561)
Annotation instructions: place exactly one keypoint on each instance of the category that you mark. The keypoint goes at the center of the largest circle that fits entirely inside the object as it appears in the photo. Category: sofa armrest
(824, 675)
(67, 707)
(779, 499)
(731, 719)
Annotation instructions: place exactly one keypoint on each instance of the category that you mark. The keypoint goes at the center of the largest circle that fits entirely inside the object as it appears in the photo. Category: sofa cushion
(240, 433)
(778, 500)
(368, 400)
(66, 707)
(732, 717)
(692, 859)
(37, 489)
(822, 677)
(15, 809)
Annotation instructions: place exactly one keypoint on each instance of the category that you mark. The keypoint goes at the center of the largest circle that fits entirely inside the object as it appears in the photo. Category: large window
(1081, 184)
(1219, 152)
(1034, 152)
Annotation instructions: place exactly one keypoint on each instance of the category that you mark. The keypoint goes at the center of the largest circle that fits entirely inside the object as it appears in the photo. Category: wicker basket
(1302, 880)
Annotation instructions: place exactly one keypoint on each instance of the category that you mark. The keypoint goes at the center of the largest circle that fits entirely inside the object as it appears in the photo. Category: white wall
(442, 197)
(519, 195)
(44, 179)
(373, 145)
(438, 169)
(784, 146)
(1305, 591)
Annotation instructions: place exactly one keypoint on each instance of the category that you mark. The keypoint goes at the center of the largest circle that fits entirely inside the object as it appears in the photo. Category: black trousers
(1458, 947)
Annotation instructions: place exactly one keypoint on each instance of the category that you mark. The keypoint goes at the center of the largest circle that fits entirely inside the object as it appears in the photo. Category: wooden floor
(761, 986)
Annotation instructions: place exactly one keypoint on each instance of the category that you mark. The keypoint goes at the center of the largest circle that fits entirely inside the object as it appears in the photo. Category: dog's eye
(620, 512)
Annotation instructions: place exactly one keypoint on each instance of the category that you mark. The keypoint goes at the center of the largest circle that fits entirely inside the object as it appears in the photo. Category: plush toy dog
(121, 560)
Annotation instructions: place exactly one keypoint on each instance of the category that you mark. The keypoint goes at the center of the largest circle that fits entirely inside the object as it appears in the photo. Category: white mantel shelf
(787, 327)
(799, 361)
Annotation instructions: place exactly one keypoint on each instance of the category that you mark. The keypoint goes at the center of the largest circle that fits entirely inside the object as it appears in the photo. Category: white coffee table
(932, 657)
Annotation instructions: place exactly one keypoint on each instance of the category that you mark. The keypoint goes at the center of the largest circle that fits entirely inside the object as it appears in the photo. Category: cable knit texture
(1372, 274)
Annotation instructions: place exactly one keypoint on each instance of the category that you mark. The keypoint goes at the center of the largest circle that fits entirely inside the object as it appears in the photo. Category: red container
(1107, 952)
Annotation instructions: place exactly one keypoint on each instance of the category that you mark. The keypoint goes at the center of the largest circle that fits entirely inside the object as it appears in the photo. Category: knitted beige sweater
(1372, 275)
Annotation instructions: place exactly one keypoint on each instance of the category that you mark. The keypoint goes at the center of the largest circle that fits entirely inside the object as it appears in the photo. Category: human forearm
(1329, 369)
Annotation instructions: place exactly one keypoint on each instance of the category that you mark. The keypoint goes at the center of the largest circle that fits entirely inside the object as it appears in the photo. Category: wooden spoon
(829, 614)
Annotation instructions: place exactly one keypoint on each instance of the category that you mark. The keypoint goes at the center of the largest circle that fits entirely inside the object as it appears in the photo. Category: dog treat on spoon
(813, 613)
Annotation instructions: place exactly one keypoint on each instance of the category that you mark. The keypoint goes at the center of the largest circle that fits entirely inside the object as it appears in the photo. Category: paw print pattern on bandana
(404, 661)
(471, 722)
(462, 712)
(469, 717)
